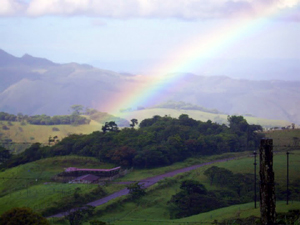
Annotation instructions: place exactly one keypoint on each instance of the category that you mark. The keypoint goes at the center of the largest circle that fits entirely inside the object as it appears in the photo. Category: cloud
(11, 7)
(98, 23)
(182, 9)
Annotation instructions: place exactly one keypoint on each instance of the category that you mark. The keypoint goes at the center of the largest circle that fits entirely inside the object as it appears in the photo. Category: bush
(24, 216)
(55, 129)
(4, 127)
(136, 190)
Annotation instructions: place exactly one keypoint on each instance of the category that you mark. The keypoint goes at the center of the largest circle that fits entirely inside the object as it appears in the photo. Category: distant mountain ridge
(26, 60)
(38, 86)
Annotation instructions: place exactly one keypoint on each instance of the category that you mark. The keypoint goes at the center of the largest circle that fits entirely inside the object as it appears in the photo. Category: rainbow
(215, 43)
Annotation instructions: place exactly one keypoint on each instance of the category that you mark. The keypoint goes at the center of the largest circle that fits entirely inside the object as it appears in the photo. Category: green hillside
(198, 115)
(30, 184)
(153, 208)
(41, 193)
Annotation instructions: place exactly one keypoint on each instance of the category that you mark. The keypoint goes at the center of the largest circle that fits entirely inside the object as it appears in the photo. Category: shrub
(4, 127)
(24, 216)
(55, 129)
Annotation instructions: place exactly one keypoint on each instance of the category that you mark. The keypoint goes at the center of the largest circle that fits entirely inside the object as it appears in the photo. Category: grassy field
(41, 171)
(285, 138)
(30, 184)
(148, 216)
(41, 133)
(152, 209)
(39, 194)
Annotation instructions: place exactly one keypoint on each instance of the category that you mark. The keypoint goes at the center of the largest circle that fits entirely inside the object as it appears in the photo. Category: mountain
(38, 86)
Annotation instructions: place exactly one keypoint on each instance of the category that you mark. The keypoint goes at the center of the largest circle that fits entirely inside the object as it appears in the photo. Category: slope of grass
(153, 208)
(38, 191)
(236, 211)
(285, 138)
(41, 133)
(41, 171)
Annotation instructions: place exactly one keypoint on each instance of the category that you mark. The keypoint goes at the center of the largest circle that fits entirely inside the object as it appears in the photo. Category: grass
(41, 133)
(284, 138)
(42, 196)
(145, 173)
(152, 209)
(37, 191)
(42, 171)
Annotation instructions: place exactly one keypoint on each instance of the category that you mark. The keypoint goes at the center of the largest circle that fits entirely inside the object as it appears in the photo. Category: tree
(24, 216)
(4, 155)
(79, 215)
(110, 126)
(133, 122)
(136, 190)
(193, 186)
(237, 123)
(77, 109)
(192, 199)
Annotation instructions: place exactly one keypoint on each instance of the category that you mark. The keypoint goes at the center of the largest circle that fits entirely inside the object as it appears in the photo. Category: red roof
(71, 169)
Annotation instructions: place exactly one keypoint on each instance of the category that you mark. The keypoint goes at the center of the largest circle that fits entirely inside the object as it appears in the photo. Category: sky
(238, 38)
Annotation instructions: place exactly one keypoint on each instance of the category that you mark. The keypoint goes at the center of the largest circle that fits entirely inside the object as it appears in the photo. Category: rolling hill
(38, 86)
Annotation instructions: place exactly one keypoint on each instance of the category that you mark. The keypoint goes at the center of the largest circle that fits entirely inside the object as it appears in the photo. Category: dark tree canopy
(24, 216)
(159, 141)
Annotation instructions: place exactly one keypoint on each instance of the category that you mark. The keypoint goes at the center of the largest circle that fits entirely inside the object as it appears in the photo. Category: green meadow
(41, 193)
(31, 185)
(153, 208)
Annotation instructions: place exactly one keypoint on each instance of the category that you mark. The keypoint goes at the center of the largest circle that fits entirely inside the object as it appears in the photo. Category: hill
(153, 208)
(29, 186)
(38, 86)
(199, 115)
(18, 137)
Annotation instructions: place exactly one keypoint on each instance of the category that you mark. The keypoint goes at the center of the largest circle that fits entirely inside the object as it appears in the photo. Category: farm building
(74, 172)
(85, 179)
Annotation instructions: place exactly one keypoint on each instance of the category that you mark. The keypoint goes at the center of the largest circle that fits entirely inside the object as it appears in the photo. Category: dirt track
(146, 183)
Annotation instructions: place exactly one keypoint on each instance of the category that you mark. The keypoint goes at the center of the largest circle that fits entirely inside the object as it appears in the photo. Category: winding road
(146, 183)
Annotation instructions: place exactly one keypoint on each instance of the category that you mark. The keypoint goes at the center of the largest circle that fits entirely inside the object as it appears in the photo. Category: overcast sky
(143, 35)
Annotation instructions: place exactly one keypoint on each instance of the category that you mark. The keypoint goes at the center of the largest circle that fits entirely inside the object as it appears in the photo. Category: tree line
(44, 119)
(159, 141)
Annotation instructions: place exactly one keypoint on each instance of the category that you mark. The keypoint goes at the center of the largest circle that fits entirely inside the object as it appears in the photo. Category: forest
(159, 141)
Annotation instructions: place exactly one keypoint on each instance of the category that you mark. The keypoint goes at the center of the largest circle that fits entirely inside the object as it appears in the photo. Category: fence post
(267, 188)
